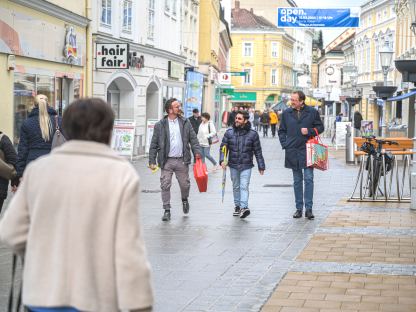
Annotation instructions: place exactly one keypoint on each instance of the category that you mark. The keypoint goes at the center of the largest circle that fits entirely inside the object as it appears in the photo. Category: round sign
(330, 70)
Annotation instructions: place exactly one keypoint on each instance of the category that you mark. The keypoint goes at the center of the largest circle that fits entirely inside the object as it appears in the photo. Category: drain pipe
(89, 56)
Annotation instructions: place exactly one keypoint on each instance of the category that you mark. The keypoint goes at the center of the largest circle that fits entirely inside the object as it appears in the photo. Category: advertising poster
(367, 128)
(149, 133)
(193, 94)
(123, 137)
(341, 132)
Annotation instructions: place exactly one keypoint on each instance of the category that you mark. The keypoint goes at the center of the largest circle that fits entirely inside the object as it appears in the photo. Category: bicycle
(378, 163)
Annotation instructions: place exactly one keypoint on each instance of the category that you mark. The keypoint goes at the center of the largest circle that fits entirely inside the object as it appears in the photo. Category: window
(274, 49)
(274, 77)
(368, 61)
(377, 65)
(151, 21)
(174, 7)
(127, 10)
(167, 6)
(247, 77)
(247, 49)
(106, 12)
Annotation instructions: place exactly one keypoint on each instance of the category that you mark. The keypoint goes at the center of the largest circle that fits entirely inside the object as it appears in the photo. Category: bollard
(349, 145)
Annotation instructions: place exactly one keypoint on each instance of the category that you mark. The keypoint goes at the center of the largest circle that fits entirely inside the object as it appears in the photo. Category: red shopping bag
(201, 175)
(317, 153)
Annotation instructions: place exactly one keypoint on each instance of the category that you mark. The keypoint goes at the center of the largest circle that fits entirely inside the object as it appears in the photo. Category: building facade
(264, 54)
(156, 58)
(43, 50)
(190, 32)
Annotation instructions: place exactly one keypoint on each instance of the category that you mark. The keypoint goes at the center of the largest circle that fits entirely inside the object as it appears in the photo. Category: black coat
(291, 137)
(10, 157)
(160, 145)
(242, 144)
(231, 118)
(265, 119)
(31, 144)
(357, 120)
(195, 122)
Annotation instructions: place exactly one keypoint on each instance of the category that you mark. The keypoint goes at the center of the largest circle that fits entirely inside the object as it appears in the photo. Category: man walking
(242, 143)
(297, 125)
(195, 120)
(172, 139)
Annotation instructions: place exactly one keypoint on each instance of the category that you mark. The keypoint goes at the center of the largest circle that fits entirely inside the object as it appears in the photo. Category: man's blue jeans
(241, 182)
(300, 196)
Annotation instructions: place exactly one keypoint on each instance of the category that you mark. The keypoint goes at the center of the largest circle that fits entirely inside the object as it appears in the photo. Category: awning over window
(402, 96)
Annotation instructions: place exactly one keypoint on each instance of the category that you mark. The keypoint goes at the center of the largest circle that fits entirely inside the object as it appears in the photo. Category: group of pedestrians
(73, 223)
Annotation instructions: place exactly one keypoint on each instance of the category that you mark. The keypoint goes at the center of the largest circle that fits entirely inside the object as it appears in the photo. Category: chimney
(237, 5)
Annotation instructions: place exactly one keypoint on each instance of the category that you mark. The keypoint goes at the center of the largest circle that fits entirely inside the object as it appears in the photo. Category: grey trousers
(181, 170)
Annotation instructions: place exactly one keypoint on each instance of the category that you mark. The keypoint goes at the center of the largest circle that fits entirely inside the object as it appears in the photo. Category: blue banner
(193, 93)
(298, 17)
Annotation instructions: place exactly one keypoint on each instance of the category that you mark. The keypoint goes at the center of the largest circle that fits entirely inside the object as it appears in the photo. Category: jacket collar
(89, 148)
(35, 111)
(247, 127)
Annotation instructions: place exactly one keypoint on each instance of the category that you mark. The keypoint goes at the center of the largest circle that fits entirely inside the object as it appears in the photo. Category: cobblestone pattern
(352, 248)
(345, 203)
(388, 219)
(369, 230)
(325, 292)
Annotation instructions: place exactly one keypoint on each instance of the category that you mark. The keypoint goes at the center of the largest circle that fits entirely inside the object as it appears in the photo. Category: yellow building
(378, 25)
(43, 50)
(265, 54)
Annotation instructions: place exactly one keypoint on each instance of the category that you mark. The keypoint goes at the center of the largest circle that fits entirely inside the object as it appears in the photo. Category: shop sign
(136, 61)
(224, 78)
(123, 137)
(193, 92)
(175, 70)
(301, 17)
(112, 55)
(244, 97)
(71, 49)
(319, 93)
(340, 132)
(149, 134)
(239, 74)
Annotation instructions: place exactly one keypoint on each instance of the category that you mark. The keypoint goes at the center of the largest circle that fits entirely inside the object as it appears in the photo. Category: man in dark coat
(231, 116)
(242, 143)
(297, 125)
(195, 120)
(10, 157)
(173, 137)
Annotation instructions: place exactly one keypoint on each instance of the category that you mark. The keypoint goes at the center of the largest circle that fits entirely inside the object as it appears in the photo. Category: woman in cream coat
(75, 218)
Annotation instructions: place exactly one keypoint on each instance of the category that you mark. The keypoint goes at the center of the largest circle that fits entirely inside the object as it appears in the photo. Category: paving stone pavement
(212, 261)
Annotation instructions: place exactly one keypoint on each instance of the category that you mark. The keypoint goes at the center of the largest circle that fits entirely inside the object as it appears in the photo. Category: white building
(190, 31)
(152, 29)
(302, 56)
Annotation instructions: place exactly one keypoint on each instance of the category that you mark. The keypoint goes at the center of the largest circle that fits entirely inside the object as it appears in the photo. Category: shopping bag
(201, 175)
(317, 153)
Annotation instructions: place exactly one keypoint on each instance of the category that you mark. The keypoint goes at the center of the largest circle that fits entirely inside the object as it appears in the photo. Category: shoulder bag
(58, 137)
(212, 139)
(7, 171)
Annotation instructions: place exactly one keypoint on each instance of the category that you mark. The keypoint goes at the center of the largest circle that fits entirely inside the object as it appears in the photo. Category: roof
(246, 19)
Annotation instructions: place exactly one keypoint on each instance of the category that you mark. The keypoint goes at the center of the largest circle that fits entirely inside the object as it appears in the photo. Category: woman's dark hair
(206, 116)
(88, 119)
(168, 104)
(245, 114)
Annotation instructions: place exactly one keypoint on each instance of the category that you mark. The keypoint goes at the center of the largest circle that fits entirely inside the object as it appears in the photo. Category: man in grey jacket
(172, 140)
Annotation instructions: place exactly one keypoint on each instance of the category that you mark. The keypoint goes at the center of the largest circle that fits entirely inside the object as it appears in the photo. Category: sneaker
(185, 206)
(236, 212)
(309, 215)
(298, 214)
(244, 212)
(166, 215)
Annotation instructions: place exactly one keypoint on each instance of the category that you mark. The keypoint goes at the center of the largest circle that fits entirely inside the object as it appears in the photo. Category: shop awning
(243, 97)
(402, 96)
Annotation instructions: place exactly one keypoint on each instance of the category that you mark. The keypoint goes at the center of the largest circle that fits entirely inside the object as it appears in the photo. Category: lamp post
(384, 92)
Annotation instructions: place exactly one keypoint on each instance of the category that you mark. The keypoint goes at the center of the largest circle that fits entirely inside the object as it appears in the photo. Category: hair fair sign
(112, 55)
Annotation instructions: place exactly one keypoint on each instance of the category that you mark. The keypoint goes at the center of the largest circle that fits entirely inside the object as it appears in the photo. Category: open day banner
(299, 17)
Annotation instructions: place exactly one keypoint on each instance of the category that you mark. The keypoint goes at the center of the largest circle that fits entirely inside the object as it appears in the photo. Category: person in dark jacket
(36, 134)
(173, 137)
(195, 120)
(242, 143)
(357, 123)
(298, 124)
(10, 157)
(231, 116)
(265, 122)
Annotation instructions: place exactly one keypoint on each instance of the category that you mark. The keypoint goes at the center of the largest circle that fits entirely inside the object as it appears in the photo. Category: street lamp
(412, 7)
(386, 56)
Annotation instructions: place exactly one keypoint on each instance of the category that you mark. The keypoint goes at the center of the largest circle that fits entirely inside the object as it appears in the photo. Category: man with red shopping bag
(242, 143)
(298, 124)
(173, 137)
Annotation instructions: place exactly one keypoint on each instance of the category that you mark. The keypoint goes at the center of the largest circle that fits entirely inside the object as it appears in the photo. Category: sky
(330, 33)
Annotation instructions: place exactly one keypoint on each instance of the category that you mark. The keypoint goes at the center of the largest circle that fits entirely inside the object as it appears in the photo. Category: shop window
(24, 91)
(46, 85)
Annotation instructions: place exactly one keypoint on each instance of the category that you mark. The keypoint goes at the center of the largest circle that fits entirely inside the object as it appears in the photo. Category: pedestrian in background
(256, 120)
(298, 124)
(36, 133)
(195, 120)
(242, 143)
(231, 116)
(10, 157)
(357, 123)
(265, 122)
(77, 227)
(251, 117)
(273, 122)
(206, 132)
(170, 148)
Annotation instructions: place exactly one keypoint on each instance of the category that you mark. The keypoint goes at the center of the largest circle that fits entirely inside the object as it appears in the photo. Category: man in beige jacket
(75, 218)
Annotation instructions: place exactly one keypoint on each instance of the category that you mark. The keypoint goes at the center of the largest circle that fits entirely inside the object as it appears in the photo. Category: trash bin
(349, 145)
